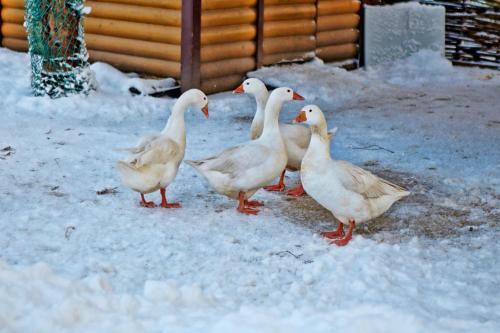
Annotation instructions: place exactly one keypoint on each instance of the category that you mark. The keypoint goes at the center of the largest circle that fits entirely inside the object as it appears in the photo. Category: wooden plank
(289, 44)
(12, 3)
(130, 63)
(132, 30)
(337, 37)
(15, 44)
(289, 28)
(141, 14)
(191, 44)
(271, 59)
(224, 4)
(337, 52)
(133, 47)
(227, 34)
(227, 67)
(211, 86)
(338, 7)
(220, 17)
(167, 4)
(216, 52)
(290, 12)
(12, 15)
(12, 30)
(337, 22)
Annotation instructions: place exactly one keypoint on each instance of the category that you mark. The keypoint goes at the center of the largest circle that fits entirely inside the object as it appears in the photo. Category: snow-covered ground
(73, 260)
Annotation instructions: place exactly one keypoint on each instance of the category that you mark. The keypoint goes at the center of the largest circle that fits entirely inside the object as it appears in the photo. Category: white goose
(238, 172)
(352, 194)
(154, 162)
(296, 137)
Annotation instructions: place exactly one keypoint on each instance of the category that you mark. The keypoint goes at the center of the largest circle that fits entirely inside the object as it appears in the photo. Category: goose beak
(297, 96)
(301, 117)
(205, 110)
(239, 90)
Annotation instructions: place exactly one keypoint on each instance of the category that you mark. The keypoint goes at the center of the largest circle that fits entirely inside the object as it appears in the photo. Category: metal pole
(190, 44)
(259, 40)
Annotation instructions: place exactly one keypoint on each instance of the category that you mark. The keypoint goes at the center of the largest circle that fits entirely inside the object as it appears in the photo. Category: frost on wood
(397, 31)
(59, 58)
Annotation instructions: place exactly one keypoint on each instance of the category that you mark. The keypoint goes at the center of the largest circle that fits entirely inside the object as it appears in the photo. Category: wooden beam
(361, 39)
(190, 44)
(259, 40)
(1, 37)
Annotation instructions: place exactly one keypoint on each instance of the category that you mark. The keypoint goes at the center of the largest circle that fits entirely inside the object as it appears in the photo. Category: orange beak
(301, 117)
(297, 96)
(205, 110)
(239, 90)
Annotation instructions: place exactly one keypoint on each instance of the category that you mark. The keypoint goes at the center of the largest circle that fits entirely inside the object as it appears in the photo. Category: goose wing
(364, 182)
(237, 160)
(157, 151)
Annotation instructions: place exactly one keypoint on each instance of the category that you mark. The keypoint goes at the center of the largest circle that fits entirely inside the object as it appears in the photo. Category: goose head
(196, 98)
(252, 86)
(311, 115)
(284, 94)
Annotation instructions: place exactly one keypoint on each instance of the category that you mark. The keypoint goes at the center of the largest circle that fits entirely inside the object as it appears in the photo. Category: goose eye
(310, 110)
(288, 90)
(248, 83)
(204, 98)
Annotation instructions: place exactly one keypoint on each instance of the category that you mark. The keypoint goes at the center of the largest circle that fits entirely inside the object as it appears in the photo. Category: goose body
(239, 171)
(295, 137)
(352, 194)
(153, 163)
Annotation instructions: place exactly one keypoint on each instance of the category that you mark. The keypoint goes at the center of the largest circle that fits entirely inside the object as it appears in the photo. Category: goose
(154, 162)
(239, 171)
(352, 194)
(296, 137)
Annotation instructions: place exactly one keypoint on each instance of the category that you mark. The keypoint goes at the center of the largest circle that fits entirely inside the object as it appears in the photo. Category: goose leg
(278, 187)
(348, 236)
(253, 203)
(296, 191)
(164, 203)
(334, 234)
(243, 206)
(146, 204)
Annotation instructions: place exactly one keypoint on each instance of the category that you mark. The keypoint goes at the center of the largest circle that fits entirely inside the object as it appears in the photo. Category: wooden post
(190, 44)
(361, 39)
(1, 37)
(259, 40)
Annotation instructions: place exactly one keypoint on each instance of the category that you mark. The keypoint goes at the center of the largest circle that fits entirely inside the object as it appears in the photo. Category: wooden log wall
(145, 35)
(228, 33)
(338, 29)
(289, 30)
(132, 35)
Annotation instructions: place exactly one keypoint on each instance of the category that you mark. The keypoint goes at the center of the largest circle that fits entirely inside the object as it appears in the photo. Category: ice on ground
(73, 260)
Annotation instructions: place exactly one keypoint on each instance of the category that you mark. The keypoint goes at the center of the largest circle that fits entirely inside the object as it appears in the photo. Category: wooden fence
(206, 43)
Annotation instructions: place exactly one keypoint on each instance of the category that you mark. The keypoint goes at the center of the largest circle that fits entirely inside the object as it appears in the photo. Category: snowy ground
(72, 260)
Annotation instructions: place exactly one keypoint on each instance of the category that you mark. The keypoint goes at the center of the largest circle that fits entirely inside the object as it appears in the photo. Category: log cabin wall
(289, 30)
(235, 36)
(338, 29)
(133, 35)
(228, 43)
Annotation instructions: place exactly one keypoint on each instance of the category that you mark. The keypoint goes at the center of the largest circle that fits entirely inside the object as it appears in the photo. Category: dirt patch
(427, 212)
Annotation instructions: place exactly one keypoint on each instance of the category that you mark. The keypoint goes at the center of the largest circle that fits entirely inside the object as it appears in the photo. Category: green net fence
(59, 57)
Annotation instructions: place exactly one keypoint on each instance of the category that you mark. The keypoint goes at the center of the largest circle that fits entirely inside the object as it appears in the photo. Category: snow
(396, 31)
(72, 260)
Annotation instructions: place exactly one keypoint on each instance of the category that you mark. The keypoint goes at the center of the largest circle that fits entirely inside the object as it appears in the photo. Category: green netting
(59, 58)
